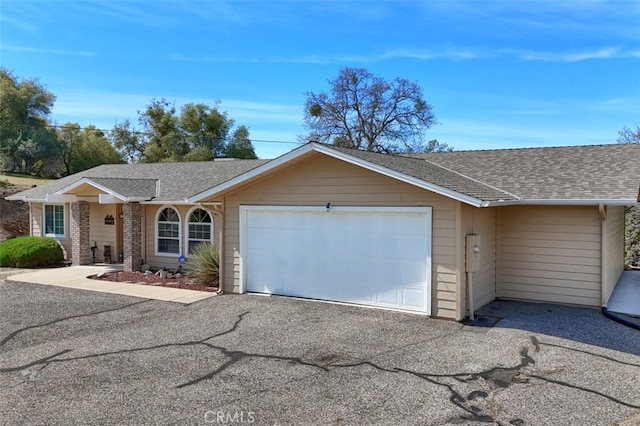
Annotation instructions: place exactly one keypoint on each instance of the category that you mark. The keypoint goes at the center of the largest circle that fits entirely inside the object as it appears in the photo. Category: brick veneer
(132, 229)
(80, 245)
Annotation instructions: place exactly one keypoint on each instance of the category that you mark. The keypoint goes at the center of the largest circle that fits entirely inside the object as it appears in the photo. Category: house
(440, 234)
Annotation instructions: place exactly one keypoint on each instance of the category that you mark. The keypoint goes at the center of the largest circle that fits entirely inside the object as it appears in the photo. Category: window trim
(156, 237)
(188, 222)
(44, 221)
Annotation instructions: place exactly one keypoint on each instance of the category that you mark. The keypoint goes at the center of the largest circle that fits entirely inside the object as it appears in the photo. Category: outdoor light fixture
(328, 206)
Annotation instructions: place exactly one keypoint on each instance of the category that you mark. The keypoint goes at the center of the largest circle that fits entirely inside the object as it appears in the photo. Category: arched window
(199, 228)
(168, 231)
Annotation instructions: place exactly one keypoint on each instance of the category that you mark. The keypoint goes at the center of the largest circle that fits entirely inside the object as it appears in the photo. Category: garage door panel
(373, 256)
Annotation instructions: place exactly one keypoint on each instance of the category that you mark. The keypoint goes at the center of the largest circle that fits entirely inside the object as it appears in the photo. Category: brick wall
(132, 229)
(80, 244)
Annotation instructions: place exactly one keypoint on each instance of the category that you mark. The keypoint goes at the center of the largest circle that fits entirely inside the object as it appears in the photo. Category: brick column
(132, 230)
(80, 244)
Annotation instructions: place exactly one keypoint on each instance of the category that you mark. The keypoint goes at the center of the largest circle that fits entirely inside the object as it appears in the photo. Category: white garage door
(378, 256)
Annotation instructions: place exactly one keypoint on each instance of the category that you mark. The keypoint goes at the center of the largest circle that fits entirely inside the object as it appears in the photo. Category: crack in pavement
(46, 324)
(536, 343)
(470, 401)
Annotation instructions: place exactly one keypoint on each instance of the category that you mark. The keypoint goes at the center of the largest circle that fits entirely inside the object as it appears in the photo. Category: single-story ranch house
(440, 234)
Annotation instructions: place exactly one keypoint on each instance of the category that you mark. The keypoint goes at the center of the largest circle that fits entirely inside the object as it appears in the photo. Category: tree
(626, 135)
(128, 141)
(632, 214)
(68, 142)
(205, 127)
(367, 112)
(240, 145)
(166, 141)
(94, 150)
(26, 140)
(199, 133)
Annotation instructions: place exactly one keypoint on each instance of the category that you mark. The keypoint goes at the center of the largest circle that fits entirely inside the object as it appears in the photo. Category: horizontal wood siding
(549, 253)
(614, 250)
(102, 234)
(482, 221)
(319, 179)
(37, 217)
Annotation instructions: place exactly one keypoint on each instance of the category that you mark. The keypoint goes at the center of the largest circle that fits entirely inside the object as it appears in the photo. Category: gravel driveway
(78, 357)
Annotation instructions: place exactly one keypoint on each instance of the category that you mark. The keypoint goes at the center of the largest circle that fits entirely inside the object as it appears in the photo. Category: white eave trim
(565, 202)
(111, 196)
(341, 156)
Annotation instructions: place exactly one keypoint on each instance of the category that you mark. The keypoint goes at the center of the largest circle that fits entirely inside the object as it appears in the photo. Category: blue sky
(498, 74)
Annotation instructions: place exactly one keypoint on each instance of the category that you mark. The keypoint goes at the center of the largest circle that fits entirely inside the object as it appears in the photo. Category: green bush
(31, 252)
(204, 264)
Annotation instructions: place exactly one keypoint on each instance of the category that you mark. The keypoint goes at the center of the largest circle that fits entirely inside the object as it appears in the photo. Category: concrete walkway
(76, 277)
(625, 298)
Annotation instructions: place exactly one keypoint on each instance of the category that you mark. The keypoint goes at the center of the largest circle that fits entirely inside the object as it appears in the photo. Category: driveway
(69, 356)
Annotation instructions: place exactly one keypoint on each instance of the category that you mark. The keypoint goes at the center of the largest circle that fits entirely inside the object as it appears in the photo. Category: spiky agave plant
(203, 264)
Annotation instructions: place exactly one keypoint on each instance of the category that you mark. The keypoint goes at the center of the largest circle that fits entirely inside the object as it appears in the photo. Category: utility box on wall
(472, 258)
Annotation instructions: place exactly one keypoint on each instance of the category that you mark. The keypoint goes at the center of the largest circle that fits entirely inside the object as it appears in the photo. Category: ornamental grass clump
(203, 265)
(31, 252)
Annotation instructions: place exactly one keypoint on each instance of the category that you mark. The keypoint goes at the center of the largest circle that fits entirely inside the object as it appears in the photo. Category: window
(168, 231)
(54, 220)
(199, 228)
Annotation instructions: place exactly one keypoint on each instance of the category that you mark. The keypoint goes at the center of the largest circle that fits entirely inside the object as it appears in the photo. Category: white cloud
(40, 50)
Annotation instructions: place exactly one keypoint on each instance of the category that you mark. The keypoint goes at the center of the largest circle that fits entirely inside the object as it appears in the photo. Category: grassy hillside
(22, 180)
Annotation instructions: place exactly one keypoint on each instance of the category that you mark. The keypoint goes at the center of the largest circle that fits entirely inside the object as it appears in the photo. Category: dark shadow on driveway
(584, 325)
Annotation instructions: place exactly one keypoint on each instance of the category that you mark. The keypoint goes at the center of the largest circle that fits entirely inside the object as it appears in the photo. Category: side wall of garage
(613, 250)
(319, 179)
(482, 222)
(549, 253)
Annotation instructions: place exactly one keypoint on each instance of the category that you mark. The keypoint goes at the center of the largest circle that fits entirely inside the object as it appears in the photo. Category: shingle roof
(176, 181)
(603, 172)
(432, 173)
(129, 187)
(594, 172)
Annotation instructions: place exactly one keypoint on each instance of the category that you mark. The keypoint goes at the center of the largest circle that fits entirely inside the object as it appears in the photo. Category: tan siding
(318, 180)
(36, 219)
(549, 253)
(613, 250)
(149, 256)
(482, 222)
(100, 233)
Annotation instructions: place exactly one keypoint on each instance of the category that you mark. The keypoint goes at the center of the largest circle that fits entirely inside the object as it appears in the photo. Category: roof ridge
(526, 148)
(470, 178)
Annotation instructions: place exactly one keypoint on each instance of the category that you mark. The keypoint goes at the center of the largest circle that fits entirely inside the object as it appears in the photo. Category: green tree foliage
(240, 145)
(367, 112)
(81, 149)
(26, 143)
(205, 127)
(94, 150)
(199, 133)
(128, 141)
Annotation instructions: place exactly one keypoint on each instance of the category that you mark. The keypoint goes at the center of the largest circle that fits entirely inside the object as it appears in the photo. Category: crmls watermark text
(229, 417)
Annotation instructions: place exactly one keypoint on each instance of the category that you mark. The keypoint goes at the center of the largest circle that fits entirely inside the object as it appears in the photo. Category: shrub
(31, 252)
(204, 264)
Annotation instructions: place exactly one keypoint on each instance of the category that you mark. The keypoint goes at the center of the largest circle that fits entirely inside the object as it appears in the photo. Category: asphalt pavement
(76, 357)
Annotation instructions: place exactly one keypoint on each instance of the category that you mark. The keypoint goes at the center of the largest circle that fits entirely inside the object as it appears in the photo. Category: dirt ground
(14, 215)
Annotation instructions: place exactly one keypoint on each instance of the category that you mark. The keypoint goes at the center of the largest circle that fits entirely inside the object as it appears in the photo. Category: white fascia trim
(162, 202)
(341, 156)
(291, 155)
(565, 202)
(21, 198)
